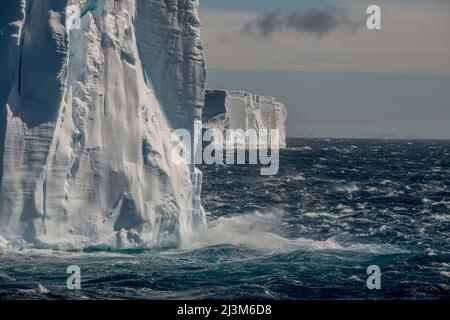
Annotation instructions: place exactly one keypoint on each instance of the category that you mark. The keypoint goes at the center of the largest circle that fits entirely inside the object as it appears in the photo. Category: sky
(336, 77)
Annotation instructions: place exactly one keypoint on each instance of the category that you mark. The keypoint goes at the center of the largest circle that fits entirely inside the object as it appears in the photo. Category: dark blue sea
(335, 208)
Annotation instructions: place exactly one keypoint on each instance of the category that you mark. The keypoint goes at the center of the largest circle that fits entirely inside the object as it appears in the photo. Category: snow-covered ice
(226, 109)
(88, 122)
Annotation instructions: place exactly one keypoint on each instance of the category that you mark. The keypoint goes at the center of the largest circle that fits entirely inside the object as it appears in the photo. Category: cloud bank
(315, 21)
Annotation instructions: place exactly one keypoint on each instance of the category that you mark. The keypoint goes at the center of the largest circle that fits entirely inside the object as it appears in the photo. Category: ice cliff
(243, 110)
(86, 122)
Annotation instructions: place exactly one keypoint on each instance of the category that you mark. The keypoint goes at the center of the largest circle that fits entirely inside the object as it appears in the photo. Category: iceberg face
(168, 37)
(243, 110)
(89, 116)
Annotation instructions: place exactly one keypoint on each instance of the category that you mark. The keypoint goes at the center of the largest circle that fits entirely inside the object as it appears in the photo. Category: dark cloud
(315, 21)
(265, 25)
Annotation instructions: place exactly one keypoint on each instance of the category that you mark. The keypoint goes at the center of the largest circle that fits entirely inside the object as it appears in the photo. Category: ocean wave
(296, 177)
(441, 217)
(305, 148)
(350, 188)
(260, 231)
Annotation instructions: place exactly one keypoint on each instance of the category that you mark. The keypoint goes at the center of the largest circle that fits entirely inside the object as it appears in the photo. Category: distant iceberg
(226, 109)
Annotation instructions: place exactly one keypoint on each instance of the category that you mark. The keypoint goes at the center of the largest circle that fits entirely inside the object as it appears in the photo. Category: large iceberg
(241, 110)
(87, 119)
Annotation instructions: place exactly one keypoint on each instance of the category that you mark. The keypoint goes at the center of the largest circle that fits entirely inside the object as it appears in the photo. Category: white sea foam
(320, 214)
(3, 243)
(259, 231)
(305, 148)
(5, 277)
(355, 278)
(297, 177)
(351, 188)
(442, 202)
(43, 289)
(441, 217)
(445, 273)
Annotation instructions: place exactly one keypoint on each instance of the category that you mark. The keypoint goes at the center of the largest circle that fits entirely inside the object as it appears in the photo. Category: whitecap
(5, 277)
(441, 217)
(259, 231)
(43, 289)
(297, 177)
(442, 202)
(355, 278)
(3, 243)
(348, 188)
(319, 214)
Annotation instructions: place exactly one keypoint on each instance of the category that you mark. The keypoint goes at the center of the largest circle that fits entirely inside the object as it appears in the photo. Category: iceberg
(87, 120)
(241, 110)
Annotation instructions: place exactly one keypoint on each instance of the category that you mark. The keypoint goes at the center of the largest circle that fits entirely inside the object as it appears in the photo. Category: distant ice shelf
(225, 109)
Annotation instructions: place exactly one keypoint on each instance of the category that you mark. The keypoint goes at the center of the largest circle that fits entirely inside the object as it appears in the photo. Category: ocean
(336, 207)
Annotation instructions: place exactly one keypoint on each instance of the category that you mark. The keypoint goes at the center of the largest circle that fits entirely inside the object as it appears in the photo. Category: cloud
(315, 21)
(264, 25)
(414, 39)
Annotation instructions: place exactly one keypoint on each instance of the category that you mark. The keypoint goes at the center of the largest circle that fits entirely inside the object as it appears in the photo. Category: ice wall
(10, 17)
(243, 110)
(168, 37)
(87, 140)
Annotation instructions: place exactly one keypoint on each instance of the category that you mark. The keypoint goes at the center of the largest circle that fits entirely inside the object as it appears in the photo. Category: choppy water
(335, 208)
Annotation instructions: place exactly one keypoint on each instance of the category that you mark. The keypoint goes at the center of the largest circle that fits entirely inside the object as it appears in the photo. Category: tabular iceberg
(226, 109)
(87, 116)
